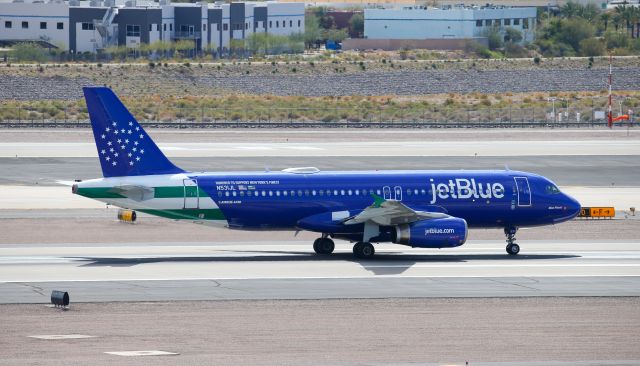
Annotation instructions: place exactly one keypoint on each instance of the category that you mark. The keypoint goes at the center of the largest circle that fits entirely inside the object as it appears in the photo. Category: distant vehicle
(425, 209)
(333, 45)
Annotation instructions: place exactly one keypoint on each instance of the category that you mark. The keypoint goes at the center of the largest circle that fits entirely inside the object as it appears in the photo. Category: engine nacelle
(127, 215)
(435, 233)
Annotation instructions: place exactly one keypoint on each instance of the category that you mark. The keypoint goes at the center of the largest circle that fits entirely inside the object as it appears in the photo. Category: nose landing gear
(512, 247)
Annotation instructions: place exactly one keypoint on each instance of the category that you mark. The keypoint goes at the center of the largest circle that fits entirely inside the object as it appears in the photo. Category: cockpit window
(551, 189)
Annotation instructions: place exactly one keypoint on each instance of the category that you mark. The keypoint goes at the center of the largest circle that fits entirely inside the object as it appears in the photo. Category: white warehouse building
(456, 22)
(89, 26)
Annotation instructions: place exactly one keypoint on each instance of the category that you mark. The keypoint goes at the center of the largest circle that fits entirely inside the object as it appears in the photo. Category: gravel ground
(406, 79)
(425, 82)
(332, 332)
(93, 226)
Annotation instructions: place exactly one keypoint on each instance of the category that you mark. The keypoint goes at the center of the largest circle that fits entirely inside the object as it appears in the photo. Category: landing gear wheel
(513, 249)
(323, 246)
(363, 250)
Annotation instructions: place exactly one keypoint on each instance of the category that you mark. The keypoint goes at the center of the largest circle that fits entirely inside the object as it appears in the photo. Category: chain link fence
(556, 113)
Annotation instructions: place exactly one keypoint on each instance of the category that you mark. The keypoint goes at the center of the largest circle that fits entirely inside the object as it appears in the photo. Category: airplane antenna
(266, 169)
(506, 167)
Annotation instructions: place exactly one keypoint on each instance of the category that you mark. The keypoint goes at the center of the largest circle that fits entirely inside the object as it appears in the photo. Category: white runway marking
(142, 353)
(356, 148)
(61, 336)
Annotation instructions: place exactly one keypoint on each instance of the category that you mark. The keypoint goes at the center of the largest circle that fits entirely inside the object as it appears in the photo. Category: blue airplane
(424, 209)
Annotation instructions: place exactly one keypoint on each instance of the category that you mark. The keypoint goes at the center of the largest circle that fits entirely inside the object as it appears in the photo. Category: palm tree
(605, 18)
(570, 9)
(625, 15)
(635, 21)
(617, 20)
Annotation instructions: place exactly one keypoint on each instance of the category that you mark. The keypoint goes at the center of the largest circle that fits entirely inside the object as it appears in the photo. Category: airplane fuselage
(279, 200)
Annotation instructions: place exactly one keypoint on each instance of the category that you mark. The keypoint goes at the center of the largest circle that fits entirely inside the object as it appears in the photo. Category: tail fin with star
(124, 148)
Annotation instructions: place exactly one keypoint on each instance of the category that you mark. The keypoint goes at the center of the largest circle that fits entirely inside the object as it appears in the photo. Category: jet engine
(434, 233)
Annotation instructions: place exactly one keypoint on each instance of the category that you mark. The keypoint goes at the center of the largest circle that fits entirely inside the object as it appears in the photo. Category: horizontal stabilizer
(136, 193)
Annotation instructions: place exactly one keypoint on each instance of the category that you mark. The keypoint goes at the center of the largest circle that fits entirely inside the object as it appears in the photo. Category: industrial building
(416, 25)
(90, 26)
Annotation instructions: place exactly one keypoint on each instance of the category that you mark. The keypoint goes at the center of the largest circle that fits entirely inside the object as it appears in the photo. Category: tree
(312, 31)
(591, 47)
(336, 35)
(494, 37)
(589, 12)
(574, 30)
(605, 18)
(570, 9)
(27, 51)
(237, 46)
(626, 16)
(512, 35)
(326, 21)
(356, 24)
(615, 39)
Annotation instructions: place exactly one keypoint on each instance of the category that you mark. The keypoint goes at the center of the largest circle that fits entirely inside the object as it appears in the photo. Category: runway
(277, 270)
(215, 296)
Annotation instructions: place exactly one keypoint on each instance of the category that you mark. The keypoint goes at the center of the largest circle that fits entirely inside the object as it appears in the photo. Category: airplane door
(386, 191)
(191, 199)
(398, 193)
(524, 191)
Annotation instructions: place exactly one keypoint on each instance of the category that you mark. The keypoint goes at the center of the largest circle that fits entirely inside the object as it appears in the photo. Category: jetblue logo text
(462, 188)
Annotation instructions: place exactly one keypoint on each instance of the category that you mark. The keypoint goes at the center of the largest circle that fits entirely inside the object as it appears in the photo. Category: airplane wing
(388, 213)
(136, 193)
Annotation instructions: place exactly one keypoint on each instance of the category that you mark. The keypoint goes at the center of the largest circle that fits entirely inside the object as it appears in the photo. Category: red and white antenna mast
(609, 111)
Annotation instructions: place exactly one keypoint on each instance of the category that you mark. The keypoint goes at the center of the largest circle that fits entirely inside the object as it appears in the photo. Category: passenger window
(357, 192)
(219, 193)
(328, 192)
(321, 192)
(234, 193)
(313, 193)
(278, 193)
(270, 193)
(285, 193)
(342, 192)
(335, 192)
(349, 192)
(299, 193)
(408, 192)
(241, 193)
(293, 193)
(306, 192)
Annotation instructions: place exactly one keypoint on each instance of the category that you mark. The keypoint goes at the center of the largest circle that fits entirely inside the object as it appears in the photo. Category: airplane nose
(573, 206)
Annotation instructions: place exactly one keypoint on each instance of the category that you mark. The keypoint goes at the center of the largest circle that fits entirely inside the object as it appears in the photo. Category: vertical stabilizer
(124, 148)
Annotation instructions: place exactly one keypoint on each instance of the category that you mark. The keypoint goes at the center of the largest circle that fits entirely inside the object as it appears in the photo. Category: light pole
(553, 107)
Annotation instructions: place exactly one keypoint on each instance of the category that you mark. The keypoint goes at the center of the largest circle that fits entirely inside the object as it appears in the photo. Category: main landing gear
(363, 250)
(512, 247)
(323, 245)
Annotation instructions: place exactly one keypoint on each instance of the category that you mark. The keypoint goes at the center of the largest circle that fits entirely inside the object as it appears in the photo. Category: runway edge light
(60, 298)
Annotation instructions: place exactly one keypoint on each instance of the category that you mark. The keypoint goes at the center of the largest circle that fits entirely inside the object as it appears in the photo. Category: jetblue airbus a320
(424, 209)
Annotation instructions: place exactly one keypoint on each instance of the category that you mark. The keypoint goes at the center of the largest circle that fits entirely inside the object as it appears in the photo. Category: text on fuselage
(461, 188)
